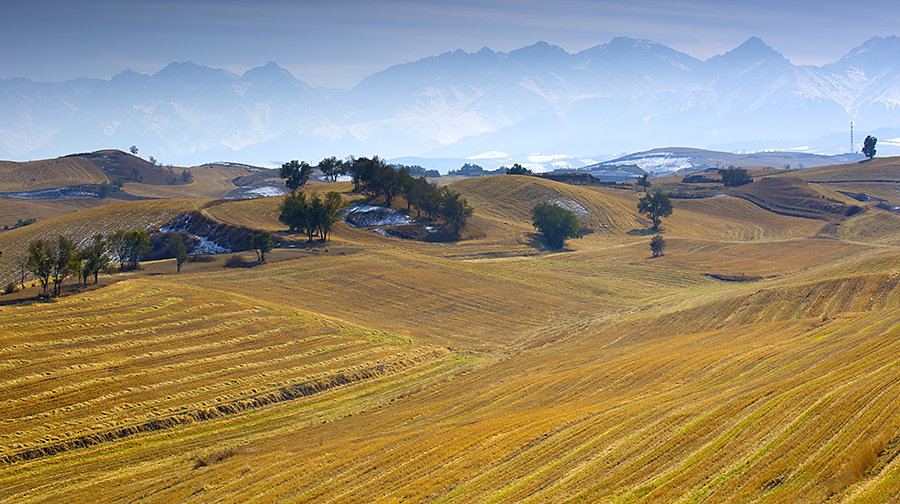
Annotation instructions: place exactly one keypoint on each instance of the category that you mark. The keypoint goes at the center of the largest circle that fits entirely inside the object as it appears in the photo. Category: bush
(657, 244)
(10, 288)
(236, 261)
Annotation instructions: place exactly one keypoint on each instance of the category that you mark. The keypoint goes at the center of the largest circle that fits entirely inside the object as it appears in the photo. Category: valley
(756, 360)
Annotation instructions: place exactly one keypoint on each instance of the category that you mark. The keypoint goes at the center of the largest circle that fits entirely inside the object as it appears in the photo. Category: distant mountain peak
(631, 43)
(754, 47)
(876, 50)
(750, 53)
(539, 48)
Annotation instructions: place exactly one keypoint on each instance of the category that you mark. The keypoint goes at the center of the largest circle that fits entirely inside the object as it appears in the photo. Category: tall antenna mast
(852, 149)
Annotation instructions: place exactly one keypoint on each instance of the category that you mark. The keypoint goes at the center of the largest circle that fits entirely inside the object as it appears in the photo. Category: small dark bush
(10, 288)
(236, 261)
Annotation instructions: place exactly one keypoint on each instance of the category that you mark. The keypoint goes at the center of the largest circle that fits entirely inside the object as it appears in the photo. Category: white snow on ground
(265, 191)
(572, 206)
(56, 193)
(342, 178)
(375, 216)
(657, 163)
(208, 247)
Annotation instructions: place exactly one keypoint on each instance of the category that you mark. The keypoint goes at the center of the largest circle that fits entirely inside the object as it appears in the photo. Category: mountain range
(617, 97)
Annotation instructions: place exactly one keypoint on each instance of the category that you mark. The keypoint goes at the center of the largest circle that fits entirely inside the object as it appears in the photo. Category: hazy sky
(338, 42)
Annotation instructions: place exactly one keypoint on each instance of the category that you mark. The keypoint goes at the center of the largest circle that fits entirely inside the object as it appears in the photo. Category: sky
(337, 43)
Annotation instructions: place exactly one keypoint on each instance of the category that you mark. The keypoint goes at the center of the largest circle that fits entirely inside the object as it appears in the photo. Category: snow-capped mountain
(625, 95)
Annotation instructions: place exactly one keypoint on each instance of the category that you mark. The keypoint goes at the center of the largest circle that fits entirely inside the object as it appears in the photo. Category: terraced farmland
(758, 360)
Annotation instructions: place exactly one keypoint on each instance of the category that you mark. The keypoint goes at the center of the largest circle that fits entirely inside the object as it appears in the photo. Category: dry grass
(483, 371)
(47, 174)
(82, 225)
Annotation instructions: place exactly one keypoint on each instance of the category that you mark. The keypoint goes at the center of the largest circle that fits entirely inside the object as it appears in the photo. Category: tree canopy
(733, 177)
(296, 174)
(518, 169)
(311, 215)
(644, 181)
(260, 242)
(332, 168)
(656, 205)
(556, 223)
(657, 244)
(869, 146)
(179, 250)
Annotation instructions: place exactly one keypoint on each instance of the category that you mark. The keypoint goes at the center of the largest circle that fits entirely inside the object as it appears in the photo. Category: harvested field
(373, 369)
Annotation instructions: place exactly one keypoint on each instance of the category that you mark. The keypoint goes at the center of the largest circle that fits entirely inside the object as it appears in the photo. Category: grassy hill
(48, 174)
(758, 360)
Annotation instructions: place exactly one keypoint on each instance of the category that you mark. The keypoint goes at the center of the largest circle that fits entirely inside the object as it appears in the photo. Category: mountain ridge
(628, 92)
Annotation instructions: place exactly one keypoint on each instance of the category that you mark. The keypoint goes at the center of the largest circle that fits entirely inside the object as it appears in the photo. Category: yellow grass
(60, 172)
(82, 225)
(490, 370)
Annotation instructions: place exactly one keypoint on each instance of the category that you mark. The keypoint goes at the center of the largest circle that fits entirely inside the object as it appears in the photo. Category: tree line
(374, 177)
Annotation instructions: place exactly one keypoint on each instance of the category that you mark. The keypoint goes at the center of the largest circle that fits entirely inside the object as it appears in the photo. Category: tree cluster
(733, 177)
(52, 261)
(556, 223)
(55, 260)
(518, 169)
(311, 215)
(129, 246)
(379, 179)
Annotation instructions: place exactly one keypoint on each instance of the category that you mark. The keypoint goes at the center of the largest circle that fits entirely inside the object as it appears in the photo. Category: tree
(64, 262)
(733, 177)
(133, 149)
(333, 207)
(518, 169)
(94, 258)
(137, 244)
(656, 205)
(261, 243)
(332, 168)
(294, 212)
(644, 181)
(296, 173)
(556, 224)
(454, 209)
(40, 262)
(869, 146)
(657, 244)
(312, 215)
(179, 250)
(119, 246)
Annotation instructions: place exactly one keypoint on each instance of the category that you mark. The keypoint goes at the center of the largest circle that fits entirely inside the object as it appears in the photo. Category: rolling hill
(755, 361)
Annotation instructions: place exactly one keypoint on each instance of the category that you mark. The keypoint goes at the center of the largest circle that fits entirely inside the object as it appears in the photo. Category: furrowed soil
(757, 360)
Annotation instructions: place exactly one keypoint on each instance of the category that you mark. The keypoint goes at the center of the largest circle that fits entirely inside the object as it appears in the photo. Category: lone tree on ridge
(869, 146)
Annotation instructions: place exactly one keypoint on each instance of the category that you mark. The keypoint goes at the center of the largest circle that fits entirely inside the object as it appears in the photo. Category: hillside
(49, 174)
(757, 360)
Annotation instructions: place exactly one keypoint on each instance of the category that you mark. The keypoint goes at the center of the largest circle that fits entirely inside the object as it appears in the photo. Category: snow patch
(572, 206)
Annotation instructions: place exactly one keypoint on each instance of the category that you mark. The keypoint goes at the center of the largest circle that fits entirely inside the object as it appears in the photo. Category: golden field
(374, 369)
